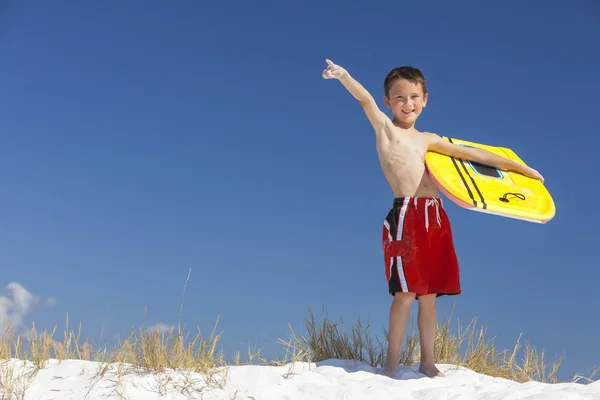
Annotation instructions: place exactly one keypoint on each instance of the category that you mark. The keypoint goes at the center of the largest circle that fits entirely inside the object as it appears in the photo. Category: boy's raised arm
(374, 114)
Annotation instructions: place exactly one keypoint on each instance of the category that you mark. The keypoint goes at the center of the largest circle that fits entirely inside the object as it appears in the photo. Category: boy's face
(406, 100)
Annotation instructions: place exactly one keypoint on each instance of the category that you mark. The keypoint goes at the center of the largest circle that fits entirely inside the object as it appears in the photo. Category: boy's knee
(427, 300)
(403, 299)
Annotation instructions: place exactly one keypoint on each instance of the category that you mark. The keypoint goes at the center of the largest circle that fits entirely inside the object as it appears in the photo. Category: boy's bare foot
(391, 368)
(430, 370)
(390, 372)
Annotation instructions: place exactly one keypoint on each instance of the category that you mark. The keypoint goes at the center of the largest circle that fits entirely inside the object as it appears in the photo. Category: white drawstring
(430, 202)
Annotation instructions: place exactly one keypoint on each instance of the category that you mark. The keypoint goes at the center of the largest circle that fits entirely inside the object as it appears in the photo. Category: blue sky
(139, 141)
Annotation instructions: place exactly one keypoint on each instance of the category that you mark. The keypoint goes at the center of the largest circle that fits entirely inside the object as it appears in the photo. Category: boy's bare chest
(404, 150)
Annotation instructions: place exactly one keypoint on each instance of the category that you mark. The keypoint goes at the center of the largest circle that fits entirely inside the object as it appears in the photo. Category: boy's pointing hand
(333, 71)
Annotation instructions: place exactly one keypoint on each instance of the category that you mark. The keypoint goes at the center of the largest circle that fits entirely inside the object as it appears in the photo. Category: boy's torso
(402, 158)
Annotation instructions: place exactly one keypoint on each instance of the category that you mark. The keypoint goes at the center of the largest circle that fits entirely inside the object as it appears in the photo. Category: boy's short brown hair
(409, 73)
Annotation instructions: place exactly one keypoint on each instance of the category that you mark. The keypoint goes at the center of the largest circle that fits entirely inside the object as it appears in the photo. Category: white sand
(332, 380)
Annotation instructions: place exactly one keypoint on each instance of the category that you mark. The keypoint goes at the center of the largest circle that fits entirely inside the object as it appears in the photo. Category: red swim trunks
(418, 248)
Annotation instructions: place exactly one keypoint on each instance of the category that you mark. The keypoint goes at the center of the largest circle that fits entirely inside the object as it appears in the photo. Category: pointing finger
(331, 64)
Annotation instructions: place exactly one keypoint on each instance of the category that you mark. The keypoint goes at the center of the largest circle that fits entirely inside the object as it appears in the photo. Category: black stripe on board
(463, 178)
(484, 205)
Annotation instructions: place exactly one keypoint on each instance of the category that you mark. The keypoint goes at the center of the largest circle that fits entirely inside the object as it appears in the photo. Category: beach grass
(158, 350)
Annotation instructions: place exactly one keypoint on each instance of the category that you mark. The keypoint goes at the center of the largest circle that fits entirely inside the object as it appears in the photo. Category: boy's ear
(386, 101)
(425, 97)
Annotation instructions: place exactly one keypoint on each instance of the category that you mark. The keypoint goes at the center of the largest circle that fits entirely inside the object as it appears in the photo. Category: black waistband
(399, 201)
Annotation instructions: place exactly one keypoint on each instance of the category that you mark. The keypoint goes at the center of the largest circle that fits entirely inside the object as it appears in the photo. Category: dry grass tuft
(468, 348)
(156, 351)
(146, 351)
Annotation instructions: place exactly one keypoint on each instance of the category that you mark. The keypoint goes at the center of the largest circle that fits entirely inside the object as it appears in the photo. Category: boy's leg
(399, 311)
(427, 323)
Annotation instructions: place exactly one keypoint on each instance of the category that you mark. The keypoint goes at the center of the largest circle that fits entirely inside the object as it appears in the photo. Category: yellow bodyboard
(490, 190)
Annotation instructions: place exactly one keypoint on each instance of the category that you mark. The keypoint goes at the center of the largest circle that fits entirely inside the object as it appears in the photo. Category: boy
(420, 261)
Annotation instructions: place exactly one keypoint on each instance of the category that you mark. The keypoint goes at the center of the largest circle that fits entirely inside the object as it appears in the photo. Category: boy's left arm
(439, 145)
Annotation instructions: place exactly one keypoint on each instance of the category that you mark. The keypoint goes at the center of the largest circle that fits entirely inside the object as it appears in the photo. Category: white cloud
(50, 302)
(161, 328)
(15, 306)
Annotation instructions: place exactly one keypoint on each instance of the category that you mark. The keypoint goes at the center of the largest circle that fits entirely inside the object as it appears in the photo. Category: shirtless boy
(420, 262)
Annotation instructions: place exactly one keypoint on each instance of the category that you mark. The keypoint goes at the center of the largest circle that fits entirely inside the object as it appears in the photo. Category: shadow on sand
(351, 367)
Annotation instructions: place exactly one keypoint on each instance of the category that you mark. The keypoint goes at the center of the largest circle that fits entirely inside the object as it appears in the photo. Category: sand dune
(332, 379)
